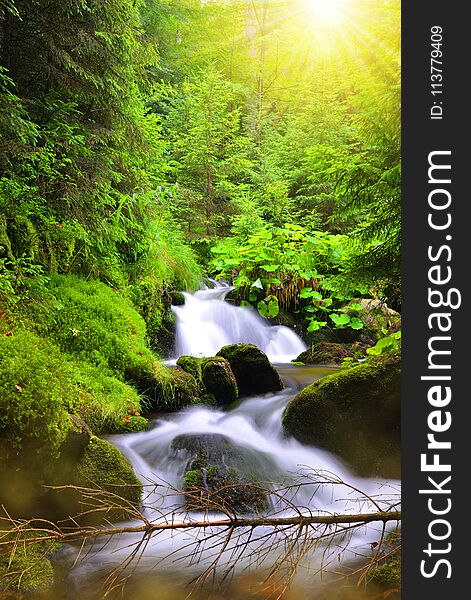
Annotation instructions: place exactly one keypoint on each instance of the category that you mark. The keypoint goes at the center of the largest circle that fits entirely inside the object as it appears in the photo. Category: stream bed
(300, 478)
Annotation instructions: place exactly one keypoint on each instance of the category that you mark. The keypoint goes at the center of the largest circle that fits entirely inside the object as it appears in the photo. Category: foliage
(285, 267)
(386, 344)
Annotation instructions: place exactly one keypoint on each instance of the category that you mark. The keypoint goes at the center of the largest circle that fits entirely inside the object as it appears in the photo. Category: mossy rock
(325, 354)
(193, 366)
(253, 371)
(354, 413)
(178, 299)
(387, 575)
(219, 380)
(27, 571)
(218, 473)
(103, 467)
(184, 389)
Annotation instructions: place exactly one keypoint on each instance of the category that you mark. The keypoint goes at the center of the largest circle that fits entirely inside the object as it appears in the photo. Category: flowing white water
(253, 427)
(206, 323)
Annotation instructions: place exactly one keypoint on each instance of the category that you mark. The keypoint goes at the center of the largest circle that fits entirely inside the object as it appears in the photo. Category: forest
(191, 191)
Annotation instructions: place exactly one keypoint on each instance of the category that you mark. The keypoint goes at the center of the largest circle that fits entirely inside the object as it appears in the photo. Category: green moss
(219, 380)
(253, 371)
(103, 467)
(24, 566)
(95, 324)
(354, 413)
(27, 570)
(388, 574)
(35, 391)
(184, 389)
(192, 479)
(326, 353)
(193, 366)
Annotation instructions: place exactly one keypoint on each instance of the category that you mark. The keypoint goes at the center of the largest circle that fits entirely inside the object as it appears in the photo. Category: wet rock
(220, 474)
(193, 366)
(354, 413)
(219, 380)
(253, 371)
(178, 299)
(184, 389)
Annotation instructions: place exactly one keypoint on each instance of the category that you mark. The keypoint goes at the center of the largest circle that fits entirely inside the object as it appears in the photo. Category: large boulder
(220, 474)
(253, 371)
(354, 413)
(219, 380)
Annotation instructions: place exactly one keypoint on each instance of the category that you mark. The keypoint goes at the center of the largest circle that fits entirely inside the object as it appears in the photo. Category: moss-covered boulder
(193, 366)
(216, 383)
(184, 389)
(325, 353)
(220, 474)
(25, 568)
(219, 380)
(103, 467)
(354, 413)
(253, 371)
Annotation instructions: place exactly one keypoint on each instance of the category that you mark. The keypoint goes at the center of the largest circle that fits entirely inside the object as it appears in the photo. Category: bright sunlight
(327, 12)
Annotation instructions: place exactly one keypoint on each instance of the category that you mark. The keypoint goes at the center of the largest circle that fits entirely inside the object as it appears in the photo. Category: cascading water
(254, 426)
(206, 323)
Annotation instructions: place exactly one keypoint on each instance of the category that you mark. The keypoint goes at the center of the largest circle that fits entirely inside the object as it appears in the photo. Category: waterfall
(206, 323)
(254, 427)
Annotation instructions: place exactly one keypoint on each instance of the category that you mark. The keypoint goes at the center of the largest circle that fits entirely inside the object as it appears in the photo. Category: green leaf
(257, 284)
(356, 323)
(270, 268)
(316, 325)
(340, 320)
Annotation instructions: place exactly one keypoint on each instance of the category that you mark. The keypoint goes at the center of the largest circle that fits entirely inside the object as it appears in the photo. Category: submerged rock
(253, 371)
(220, 474)
(354, 413)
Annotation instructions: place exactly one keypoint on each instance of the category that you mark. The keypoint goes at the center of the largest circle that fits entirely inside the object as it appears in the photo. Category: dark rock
(253, 371)
(178, 299)
(354, 413)
(78, 438)
(218, 473)
(219, 380)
